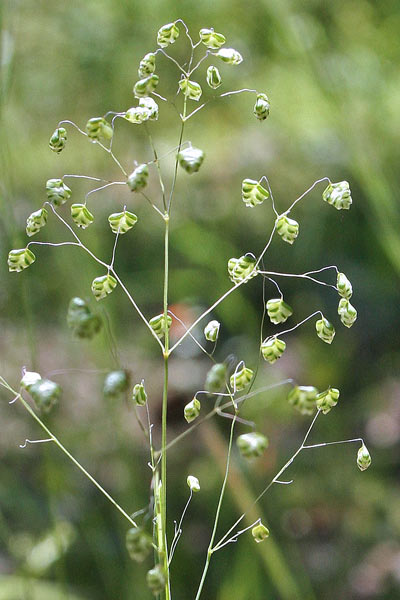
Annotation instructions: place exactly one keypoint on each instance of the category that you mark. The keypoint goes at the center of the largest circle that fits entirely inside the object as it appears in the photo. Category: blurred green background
(331, 72)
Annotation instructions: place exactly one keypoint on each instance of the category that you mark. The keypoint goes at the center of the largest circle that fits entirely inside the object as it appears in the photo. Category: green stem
(163, 500)
(67, 453)
(217, 514)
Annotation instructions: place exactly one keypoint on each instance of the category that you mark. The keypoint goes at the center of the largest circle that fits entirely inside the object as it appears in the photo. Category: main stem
(164, 548)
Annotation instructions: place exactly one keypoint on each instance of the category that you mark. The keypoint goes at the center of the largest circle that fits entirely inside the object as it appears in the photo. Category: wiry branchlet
(29, 378)
(252, 445)
(46, 394)
(327, 400)
(260, 533)
(122, 222)
(241, 378)
(58, 140)
(191, 159)
(103, 285)
(191, 89)
(144, 87)
(338, 194)
(81, 320)
(139, 394)
(147, 65)
(57, 192)
(160, 325)
(193, 483)
(211, 331)
(303, 398)
(325, 330)
(192, 410)
(344, 286)
(229, 56)
(272, 349)
(20, 259)
(363, 458)
(211, 39)
(261, 107)
(116, 383)
(287, 228)
(213, 77)
(278, 310)
(243, 268)
(167, 34)
(137, 180)
(138, 543)
(253, 192)
(81, 215)
(347, 312)
(36, 221)
(216, 378)
(98, 129)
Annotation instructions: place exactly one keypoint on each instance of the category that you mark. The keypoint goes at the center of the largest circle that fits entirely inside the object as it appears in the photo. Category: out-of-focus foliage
(331, 74)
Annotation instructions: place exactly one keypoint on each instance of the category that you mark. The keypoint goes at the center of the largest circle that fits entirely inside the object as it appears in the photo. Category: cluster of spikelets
(84, 323)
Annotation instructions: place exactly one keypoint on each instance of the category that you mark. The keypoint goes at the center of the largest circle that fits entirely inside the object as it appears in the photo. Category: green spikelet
(192, 410)
(58, 140)
(156, 579)
(190, 89)
(211, 39)
(363, 458)
(287, 228)
(325, 330)
(45, 394)
(253, 192)
(102, 286)
(344, 286)
(272, 349)
(122, 222)
(139, 395)
(327, 400)
(36, 221)
(242, 268)
(252, 445)
(191, 159)
(167, 34)
(216, 378)
(261, 107)
(98, 129)
(303, 398)
(80, 319)
(147, 65)
(278, 311)
(20, 259)
(338, 194)
(260, 533)
(229, 56)
(347, 312)
(81, 215)
(213, 77)
(57, 192)
(144, 87)
(137, 180)
(211, 331)
(159, 325)
(115, 383)
(138, 543)
(240, 379)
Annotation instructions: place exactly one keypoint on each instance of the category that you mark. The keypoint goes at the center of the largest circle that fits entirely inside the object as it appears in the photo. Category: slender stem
(67, 453)
(177, 155)
(162, 186)
(163, 499)
(221, 497)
